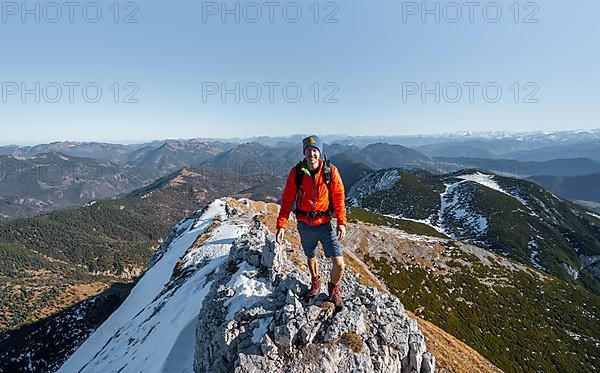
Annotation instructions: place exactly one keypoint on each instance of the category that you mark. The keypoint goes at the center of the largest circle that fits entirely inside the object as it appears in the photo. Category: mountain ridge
(255, 269)
(514, 217)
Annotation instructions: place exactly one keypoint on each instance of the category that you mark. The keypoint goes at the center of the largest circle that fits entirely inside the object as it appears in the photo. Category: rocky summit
(278, 329)
(221, 296)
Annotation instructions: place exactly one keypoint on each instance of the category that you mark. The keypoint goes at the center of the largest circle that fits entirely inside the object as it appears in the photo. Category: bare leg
(313, 267)
(337, 270)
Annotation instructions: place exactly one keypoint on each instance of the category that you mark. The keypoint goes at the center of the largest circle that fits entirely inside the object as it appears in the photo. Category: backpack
(326, 176)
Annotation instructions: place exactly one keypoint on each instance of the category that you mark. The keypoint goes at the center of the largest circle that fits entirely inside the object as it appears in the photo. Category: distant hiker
(315, 192)
(227, 211)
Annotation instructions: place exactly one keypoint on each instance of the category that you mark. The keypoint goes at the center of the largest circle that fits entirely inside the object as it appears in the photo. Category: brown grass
(362, 246)
(71, 295)
(354, 341)
(83, 291)
(451, 355)
(327, 305)
(205, 235)
(365, 276)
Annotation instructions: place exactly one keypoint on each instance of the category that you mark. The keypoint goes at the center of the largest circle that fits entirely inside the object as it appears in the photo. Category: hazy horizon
(452, 134)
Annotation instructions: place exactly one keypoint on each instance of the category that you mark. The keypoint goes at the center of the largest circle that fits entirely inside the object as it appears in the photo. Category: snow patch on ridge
(387, 180)
(592, 214)
(427, 221)
(535, 262)
(162, 310)
(373, 183)
(572, 271)
(488, 181)
(454, 206)
(248, 291)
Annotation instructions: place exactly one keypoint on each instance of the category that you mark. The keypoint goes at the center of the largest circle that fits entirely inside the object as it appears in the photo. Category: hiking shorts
(310, 235)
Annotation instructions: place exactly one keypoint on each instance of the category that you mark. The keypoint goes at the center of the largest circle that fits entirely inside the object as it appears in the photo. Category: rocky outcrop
(591, 263)
(255, 319)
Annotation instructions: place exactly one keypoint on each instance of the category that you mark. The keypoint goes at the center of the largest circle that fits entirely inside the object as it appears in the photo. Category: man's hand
(341, 232)
(279, 235)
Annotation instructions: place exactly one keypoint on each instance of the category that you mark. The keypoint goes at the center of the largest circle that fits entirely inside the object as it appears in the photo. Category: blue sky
(365, 63)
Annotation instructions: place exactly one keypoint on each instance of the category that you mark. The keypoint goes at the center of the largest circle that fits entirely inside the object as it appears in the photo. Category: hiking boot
(335, 296)
(314, 288)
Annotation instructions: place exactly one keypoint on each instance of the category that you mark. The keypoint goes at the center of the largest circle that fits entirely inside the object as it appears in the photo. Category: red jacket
(314, 196)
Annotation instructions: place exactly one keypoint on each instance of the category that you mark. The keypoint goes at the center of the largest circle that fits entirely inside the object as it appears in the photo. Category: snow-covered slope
(374, 182)
(488, 181)
(220, 296)
(457, 218)
(153, 330)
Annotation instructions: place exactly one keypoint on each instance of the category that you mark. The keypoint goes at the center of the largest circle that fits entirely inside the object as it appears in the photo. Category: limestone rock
(282, 331)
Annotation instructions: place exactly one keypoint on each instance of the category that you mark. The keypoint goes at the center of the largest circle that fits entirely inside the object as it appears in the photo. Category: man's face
(311, 154)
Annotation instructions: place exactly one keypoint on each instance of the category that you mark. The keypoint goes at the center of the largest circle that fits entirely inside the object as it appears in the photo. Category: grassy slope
(519, 321)
(409, 226)
(45, 257)
(566, 229)
(41, 258)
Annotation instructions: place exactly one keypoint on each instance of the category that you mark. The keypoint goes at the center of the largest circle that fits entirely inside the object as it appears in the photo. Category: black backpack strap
(327, 176)
(299, 176)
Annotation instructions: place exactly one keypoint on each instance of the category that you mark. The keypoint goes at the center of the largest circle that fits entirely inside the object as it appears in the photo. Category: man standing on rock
(315, 192)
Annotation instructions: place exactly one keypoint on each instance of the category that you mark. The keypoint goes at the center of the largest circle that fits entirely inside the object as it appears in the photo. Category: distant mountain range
(533, 146)
(513, 149)
(499, 141)
(52, 181)
(186, 151)
(537, 145)
(578, 150)
(32, 183)
(172, 155)
(87, 171)
(579, 187)
(520, 169)
(97, 150)
(29, 186)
